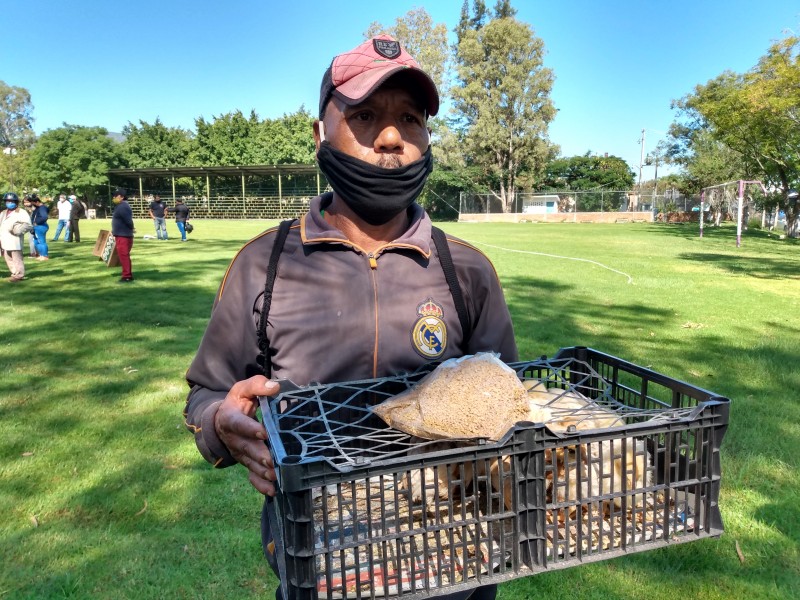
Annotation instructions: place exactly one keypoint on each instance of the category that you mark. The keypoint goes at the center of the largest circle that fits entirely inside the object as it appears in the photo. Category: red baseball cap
(354, 75)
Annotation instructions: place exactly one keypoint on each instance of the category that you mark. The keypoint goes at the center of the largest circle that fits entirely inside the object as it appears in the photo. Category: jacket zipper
(373, 265)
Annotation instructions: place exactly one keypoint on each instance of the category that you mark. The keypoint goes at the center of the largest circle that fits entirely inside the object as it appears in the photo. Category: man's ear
(319, 133)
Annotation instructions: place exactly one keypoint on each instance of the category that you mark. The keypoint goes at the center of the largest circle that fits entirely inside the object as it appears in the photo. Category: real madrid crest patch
(429, 335)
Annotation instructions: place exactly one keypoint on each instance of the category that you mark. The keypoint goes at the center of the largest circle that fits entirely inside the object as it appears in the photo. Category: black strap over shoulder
(272, 272)
(445, 260)
(443, 248)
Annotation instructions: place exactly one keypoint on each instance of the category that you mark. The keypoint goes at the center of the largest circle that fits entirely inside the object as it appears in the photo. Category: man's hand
(243, 435)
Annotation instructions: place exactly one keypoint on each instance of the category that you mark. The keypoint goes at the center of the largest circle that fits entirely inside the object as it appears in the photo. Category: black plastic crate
(365, 511)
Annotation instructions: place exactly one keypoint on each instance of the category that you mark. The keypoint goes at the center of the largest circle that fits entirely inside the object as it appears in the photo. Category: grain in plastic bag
(475, 396)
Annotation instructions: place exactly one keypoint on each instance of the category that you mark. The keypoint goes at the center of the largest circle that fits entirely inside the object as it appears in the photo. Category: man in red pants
(123, 230)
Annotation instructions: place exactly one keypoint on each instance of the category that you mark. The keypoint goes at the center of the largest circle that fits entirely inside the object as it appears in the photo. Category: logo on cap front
(387, 48)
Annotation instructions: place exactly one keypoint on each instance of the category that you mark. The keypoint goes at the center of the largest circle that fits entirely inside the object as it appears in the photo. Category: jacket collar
(315, 229)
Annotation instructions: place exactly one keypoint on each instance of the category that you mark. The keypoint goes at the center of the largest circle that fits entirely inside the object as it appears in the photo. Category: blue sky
(618, 63)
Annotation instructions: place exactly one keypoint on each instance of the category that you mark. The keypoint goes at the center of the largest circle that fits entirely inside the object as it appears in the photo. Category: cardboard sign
(105, 248)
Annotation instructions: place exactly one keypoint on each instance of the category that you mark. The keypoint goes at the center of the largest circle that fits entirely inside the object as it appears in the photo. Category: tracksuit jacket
(340, 313)
(122, 220)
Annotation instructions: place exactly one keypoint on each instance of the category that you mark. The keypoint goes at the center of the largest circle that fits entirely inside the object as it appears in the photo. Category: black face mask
(375, 194)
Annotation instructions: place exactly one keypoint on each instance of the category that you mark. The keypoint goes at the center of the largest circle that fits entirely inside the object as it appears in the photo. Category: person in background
(360, 273)
(181, 216)
(39, 235)
(64, 209)
(77, 212)
(123, 231)
(158, 212)
(14, 223)
(28, 205)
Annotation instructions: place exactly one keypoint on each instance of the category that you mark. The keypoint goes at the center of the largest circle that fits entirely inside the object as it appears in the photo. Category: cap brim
(358, 88)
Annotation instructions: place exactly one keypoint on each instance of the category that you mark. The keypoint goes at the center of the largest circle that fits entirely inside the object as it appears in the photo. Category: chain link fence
(567, 201)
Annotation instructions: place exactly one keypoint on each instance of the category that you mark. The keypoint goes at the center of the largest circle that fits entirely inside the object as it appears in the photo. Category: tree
(229, 139)
(590, 173)
(502, 106)
(155, 145)
(16, 133)
(422, 39)
(290, 139)
(503, 10)
(757, 116)
(74, 158)
(706, 161)
(16, 122)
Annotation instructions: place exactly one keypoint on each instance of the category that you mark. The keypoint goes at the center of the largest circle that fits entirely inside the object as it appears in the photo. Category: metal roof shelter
(229, 171)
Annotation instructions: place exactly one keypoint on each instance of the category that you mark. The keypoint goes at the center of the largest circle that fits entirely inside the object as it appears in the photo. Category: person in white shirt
(64, 209)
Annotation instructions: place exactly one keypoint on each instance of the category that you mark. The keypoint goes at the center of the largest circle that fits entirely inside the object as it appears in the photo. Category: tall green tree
(230, 139)
(74, 159)
(155, 145)
(502, 106)
(757, 116)
(16, 134)
(289, 139)
(425, 40)
(16, 120)
(588, 172)
(704, 160)
(504, 10)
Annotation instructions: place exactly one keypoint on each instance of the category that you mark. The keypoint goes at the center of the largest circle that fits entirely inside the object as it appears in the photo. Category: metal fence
(230, 207)
(563, 201)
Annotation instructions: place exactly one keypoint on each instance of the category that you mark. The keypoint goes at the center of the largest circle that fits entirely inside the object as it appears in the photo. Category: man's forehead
(390, 92)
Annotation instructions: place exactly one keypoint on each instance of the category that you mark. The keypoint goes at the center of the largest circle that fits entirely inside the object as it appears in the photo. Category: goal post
(729, 197)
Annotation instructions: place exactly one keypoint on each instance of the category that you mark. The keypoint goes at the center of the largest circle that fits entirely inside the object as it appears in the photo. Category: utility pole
(655, 179)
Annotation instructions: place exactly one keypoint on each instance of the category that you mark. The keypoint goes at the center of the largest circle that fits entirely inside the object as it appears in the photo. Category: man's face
(388, 129)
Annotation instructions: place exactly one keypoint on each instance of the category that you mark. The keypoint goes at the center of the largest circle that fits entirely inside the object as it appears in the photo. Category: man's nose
(389, 139)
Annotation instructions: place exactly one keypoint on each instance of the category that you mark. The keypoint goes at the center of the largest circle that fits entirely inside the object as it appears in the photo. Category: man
(39, 216)
(353, 272)
(77, 212)
(158, 210)
(181, 216)
(64, 209)
(123, 230)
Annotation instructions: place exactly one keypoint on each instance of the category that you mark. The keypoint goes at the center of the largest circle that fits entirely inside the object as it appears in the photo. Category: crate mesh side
(369, 511)
(448, 523)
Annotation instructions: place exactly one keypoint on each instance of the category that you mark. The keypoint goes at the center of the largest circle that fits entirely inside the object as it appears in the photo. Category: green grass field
(103, 495)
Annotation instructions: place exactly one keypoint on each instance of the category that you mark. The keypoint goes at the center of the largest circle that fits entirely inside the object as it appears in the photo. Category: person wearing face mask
(28, 206)
(39, 216)
(64, 209)
(360, 283)
(15, 222)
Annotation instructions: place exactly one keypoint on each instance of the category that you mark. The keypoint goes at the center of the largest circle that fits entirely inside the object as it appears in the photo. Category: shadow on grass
(759, 267)
(707, 361)
(116, 426)
(92, 330)
(725, 233)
